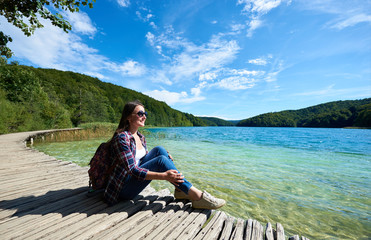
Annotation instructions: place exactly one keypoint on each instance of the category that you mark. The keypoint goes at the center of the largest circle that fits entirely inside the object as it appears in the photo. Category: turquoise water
(315, 182)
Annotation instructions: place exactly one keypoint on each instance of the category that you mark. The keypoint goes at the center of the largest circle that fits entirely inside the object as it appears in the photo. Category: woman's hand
(174, 177)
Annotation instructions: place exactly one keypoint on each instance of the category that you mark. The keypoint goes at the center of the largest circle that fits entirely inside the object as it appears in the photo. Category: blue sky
(231, 59)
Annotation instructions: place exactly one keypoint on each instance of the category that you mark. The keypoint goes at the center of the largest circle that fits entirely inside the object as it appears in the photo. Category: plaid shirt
(123, 151)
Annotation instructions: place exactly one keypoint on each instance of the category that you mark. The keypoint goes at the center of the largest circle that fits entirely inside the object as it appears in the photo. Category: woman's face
(138, 117)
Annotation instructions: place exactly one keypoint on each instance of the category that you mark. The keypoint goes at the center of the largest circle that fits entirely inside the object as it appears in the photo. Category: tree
(25, 15)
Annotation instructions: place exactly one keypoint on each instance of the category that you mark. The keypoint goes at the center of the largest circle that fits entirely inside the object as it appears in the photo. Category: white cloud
(259, 6)
(81, 23)
(230, 79)
(237, 28)
(235, 83)
(195, 60)
(255, 9)
(185, 60)
(253, 25)
(347, 13)
(172, 98)
(258, 61)
(123, 3)
(351, 21)
(214, 22)
(132, 68)
(146, 18)
(262, 61)
(207, 76)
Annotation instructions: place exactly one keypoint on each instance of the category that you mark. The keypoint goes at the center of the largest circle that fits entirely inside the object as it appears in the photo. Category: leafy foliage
(24, 14)
(32, 99)
(352, 113)
(213, 121)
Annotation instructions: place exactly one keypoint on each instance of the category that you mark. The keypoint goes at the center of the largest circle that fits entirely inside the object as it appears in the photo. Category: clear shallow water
(315, 182)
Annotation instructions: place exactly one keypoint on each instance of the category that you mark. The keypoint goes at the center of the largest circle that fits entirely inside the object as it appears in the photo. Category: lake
(315, 182)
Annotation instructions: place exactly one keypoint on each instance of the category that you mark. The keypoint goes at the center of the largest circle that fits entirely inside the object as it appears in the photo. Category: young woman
(136, 167)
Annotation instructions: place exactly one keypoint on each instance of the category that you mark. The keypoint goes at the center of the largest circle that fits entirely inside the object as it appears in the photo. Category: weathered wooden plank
(27, 203)
(248, 231)
(66, 221)
(117, 213)
(192, 227)
(257, 231)
(168, 224)
(42, 173)
(40, 223)
(45, 184)
(269, 235)
(227, 229)
(238, 230)
(304, 238)
(280, 232)
(41, 190)
(26, 218)
(210, 225)
(182, 225)
(174, 225)
(148, 225)
(129, 223)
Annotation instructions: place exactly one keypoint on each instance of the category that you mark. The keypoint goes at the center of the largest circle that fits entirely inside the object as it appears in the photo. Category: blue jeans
(157, 160)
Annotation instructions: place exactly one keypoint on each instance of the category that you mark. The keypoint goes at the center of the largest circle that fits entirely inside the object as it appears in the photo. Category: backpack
(101, 166)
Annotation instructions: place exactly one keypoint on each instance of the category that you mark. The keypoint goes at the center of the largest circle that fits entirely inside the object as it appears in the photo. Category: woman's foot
(208, 201)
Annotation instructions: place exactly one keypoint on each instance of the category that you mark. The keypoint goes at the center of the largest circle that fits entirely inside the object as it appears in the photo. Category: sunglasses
(141, 114)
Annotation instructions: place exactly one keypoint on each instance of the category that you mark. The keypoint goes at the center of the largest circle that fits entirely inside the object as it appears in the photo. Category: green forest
(34, 99)
(339, 114)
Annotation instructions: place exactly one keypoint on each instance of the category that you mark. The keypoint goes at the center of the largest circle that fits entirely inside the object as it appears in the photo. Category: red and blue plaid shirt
(123, 151)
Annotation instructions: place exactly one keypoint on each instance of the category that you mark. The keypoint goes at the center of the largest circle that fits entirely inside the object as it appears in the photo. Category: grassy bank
(83, 132)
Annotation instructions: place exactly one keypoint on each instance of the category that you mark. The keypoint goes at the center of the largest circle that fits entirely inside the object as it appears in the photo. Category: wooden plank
(304, 238)
(295, 237)
(238, 230)
(257, 231)
(133, 221)
(191, 227)
(280, 232)
(16, 222)
(117, 213)
(40, 223)
(209, 226)
(248, 231)
(148, 225)
(227, 229)
(269, 235)
(27, 203)
(168, 224)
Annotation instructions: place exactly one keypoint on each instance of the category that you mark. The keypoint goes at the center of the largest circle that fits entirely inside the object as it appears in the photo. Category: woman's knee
(161, 151)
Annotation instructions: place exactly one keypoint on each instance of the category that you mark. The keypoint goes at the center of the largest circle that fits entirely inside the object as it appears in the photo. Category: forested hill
(352, 113)
(213, 121)
(34, 98)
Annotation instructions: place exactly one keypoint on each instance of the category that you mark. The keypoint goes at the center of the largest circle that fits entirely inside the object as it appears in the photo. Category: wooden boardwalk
(43, 198)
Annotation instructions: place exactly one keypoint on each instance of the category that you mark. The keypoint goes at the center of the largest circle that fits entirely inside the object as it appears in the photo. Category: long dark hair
(128, 110)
